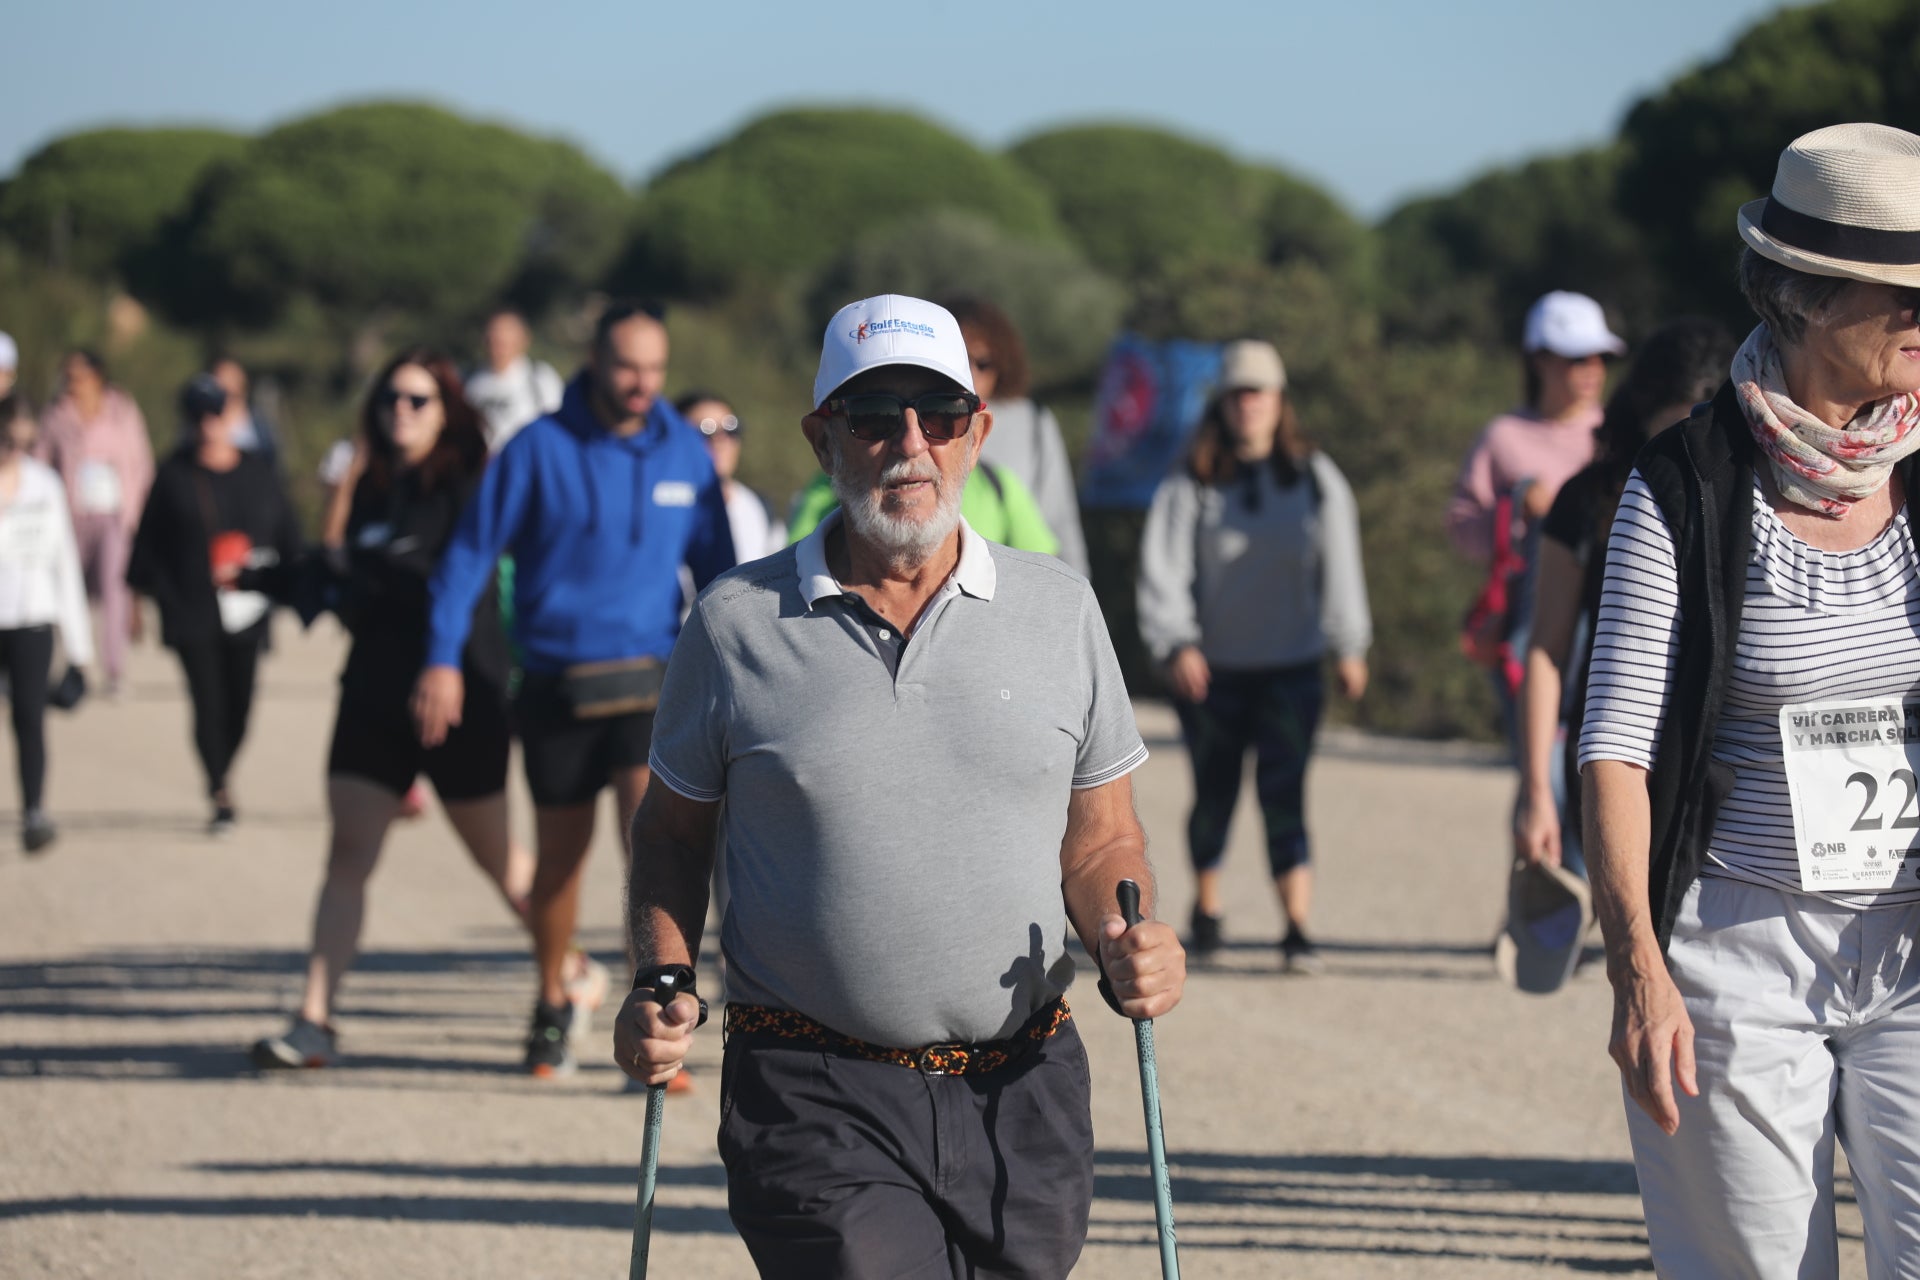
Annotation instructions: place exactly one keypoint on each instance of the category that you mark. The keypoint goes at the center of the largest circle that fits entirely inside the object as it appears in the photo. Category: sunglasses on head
(389, 399)
(714, 426)
(881, 415)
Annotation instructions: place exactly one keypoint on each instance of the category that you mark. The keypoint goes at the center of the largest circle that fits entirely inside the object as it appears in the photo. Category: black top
(395, 538)
(187, 507)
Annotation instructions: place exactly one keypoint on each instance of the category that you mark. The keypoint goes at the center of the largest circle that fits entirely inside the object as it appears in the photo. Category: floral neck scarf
(1816, 466)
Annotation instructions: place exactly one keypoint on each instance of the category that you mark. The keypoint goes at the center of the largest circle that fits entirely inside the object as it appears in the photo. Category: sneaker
(1298, 954)
(222, 821)
(304, 1044)
(1203, 932)
(587, 982)
(549, 1041)
(37, 831)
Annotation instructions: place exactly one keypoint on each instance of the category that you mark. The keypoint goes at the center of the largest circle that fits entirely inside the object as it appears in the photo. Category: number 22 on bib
(1856, 806)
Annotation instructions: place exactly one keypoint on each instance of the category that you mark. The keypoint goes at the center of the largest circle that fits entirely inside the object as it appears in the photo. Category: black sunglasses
(881, 415)
(390, 398)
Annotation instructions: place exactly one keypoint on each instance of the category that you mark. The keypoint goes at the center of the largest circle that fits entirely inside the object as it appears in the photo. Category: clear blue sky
(1376, 99)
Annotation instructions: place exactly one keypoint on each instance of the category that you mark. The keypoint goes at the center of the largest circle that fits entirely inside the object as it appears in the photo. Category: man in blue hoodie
(599, 504)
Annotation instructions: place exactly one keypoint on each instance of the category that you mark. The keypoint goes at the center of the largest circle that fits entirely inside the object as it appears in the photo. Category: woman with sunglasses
(757, 531)
(215, 518)
(424, 451)
(1249, 572)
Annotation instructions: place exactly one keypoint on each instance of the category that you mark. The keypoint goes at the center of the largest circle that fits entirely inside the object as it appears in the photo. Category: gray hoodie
(1256, 575)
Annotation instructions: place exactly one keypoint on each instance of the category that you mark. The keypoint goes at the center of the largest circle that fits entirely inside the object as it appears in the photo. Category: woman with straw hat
(1751, 743)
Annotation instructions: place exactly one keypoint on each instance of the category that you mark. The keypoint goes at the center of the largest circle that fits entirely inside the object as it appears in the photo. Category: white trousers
(1806, 1018)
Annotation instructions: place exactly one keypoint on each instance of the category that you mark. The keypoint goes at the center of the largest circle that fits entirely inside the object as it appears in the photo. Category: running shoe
(303, 1044)
(549, 1041)
(222, 821)
(37, 831)
(587, 981)
(1203, 932)
(1298, 954)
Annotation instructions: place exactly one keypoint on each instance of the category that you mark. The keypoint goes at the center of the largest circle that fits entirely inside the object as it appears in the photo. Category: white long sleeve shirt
(40, 579)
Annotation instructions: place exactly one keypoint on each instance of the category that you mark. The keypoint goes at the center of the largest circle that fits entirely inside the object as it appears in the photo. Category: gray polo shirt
(895, 807)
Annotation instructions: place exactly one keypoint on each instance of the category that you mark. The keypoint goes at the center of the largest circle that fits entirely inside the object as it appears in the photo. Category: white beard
(899, 538)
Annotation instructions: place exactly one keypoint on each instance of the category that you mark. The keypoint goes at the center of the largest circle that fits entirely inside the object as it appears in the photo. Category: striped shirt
(1817, 626)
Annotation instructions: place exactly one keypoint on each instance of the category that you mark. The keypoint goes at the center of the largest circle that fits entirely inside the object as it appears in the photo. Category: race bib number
(97, 489)
(1856, 805)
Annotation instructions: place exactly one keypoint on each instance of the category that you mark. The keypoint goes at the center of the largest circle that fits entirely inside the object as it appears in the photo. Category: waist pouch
(933, 1059)
(597, 690)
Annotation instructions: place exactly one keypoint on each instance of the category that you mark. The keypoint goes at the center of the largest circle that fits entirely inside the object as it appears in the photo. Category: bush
(1139, 200)
(89, 202)
(1066, 311)
(393, 207)
(791, 190)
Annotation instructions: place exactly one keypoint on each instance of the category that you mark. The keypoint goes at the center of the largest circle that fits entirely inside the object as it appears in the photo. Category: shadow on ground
(1367, 1206)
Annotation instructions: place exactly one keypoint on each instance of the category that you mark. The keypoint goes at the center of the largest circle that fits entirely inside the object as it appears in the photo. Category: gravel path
(1402, 1115)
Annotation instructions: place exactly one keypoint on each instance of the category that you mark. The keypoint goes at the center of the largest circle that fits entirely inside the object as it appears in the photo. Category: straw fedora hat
(1845, 202)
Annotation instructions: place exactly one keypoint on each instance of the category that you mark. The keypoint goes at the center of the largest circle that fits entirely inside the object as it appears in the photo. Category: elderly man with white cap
(1751, 742)
(923, 746)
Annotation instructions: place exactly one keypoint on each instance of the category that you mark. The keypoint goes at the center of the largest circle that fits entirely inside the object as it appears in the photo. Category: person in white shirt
(512, 388)
(757, 531)
(41, 588)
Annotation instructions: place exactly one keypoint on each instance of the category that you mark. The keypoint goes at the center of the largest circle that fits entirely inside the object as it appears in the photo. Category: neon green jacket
(995, 503)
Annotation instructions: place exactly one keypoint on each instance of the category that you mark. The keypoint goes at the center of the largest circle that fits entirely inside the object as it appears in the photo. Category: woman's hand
(1652, 1038)
(1352, 674)
(438, 697)
(1189, 674)
(1536, 831)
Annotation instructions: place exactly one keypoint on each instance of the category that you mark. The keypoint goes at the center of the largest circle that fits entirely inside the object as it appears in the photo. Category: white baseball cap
(9, 353)
(890, 329)
(1570, 325)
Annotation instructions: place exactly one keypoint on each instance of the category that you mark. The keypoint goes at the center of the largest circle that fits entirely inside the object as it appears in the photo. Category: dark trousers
(220, 671)
(844, 1169)
(27, 655)
(1275, 713)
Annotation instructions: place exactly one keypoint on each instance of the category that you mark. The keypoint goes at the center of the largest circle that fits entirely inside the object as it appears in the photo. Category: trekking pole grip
(1128, 894)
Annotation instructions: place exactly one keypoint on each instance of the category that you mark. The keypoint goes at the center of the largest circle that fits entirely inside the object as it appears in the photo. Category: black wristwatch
(668, 981)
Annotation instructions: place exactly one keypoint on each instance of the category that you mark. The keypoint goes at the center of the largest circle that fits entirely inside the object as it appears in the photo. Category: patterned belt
(933, 1060)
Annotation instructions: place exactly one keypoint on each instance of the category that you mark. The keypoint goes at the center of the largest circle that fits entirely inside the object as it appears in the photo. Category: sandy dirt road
(1402, 1115)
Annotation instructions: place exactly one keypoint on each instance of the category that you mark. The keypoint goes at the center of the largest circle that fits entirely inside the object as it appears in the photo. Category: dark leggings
(27, 655)
(220, 671)
(1275, 712)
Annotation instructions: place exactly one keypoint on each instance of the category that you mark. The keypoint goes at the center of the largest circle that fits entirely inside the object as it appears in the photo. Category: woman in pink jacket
(95, 437)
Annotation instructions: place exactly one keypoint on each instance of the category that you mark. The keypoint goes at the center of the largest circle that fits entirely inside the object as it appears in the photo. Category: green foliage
(404, 208)
(1470, 263)
(1066, 311)
(791, 190)
(1138, 200)
(1710, 141)
(90, 201)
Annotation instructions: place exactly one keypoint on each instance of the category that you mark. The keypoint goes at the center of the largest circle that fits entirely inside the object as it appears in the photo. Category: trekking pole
(663, 992)
(1129, 895)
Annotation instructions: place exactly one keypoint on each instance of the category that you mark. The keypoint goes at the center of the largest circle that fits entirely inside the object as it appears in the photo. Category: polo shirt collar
(975, 574)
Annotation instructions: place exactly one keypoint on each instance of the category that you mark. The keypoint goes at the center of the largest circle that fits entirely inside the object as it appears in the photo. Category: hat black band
(1838, 240)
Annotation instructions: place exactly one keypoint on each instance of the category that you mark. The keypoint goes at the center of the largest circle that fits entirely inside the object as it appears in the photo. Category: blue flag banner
(1151, 397)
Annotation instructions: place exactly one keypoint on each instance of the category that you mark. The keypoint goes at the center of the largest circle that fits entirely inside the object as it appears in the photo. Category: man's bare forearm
(1104, 844)
(669, 878)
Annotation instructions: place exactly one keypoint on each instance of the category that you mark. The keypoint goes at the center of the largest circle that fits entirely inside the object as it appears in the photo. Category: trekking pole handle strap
(666, 981)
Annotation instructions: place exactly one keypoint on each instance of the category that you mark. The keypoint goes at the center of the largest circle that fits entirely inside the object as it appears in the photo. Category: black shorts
(568, 761)
(375, 739)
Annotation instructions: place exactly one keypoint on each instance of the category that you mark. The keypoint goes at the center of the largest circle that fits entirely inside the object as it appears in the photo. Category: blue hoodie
(598, 526)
